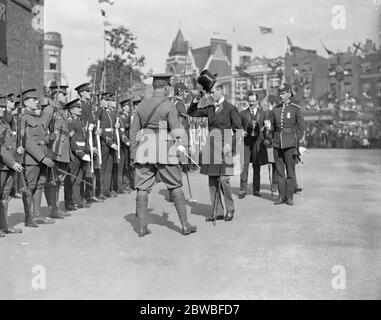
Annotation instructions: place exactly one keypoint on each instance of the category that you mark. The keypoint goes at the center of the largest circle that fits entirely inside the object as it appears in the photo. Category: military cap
(285, 87)
(124, 101)
(83, 87)
(162, 79)
(180, 86)
(62, 89)
(72, 104)
(29, 94)
(207, 80)
(111, 97)
(105, 95)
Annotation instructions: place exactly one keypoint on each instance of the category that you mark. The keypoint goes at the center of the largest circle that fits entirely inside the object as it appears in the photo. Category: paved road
(267, 252)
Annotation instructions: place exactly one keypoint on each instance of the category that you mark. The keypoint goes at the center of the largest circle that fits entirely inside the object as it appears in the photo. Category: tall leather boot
(7, 229)
(141, 208)
(27, 200)
(181, 208)
(3, 220)
(37, 197)
(57, 199)
(50, 194)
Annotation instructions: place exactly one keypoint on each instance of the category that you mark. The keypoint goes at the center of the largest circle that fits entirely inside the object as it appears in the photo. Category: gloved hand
(86, 158)
(17, 167)
(181, 149)
(117, 125)
(48, 162)
(20, 151)
(91, 127)
(98, 132)
(302, 150)
(114, 146)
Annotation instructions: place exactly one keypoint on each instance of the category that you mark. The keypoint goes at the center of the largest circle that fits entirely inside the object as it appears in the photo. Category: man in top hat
(80, 163)
(287, 126)
(154, 133)
(36, 162)
(254, 151)
(217, 158)
(8, 166)
(55, 119)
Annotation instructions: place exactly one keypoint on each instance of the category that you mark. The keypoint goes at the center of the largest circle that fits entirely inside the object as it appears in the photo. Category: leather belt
(109, 130)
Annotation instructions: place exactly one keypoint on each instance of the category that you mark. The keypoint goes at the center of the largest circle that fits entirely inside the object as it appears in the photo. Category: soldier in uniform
(89, 119)
(80, 162)
(153, 133)
(217, 159)
(36, 162)
(124, 164)
(8, 166)
(55, 119)
(254, 151)
(287, 126)
(109, 145)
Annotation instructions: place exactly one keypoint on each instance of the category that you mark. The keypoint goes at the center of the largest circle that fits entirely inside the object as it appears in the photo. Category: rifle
(52, 171)
(20, 181)
(90, 132)
(117, 122)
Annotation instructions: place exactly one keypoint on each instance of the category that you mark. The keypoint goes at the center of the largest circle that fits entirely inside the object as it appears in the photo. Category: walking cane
(214, 214)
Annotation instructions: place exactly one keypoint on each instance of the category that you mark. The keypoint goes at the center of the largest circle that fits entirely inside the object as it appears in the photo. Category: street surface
(267, 252)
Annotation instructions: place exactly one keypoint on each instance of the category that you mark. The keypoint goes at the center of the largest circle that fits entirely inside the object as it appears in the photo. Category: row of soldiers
(82, 145)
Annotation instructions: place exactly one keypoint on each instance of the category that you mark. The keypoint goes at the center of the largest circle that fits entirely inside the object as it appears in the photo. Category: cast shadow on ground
(265, 195)
(19, 217)
(152, 219)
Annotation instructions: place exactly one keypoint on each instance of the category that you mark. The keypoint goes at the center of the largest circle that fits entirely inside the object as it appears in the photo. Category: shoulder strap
(152, 113)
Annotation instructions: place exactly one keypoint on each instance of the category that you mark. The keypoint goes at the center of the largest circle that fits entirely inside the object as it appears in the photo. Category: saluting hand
(18, 167)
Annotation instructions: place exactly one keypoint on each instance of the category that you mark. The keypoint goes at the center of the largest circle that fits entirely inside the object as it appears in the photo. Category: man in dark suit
(254, 151)
(217, 159)
(287, 125)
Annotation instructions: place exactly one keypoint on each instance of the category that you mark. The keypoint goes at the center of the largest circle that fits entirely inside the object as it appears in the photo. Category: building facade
(22, 46)
(52, 58)
(185, 62)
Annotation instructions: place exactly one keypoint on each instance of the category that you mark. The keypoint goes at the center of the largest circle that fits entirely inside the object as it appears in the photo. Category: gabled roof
(201, 56)
(179, 46)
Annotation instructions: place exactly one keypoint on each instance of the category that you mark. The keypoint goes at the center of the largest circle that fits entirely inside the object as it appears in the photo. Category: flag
(329, 52)
(106, 1)
(289, 42)
(107, 24)
(244, 48)
(265, 30)
(358, 50)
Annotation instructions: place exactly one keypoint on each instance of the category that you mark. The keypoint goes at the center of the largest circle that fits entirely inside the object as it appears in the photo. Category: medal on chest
(288, 115)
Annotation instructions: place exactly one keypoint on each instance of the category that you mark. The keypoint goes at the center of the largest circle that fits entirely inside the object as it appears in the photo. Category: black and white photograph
(169, 150)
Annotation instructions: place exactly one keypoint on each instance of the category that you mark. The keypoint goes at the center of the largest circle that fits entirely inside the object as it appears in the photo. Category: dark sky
(155, 23)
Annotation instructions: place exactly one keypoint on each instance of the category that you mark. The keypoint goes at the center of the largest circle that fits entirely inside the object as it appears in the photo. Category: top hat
(207, 80)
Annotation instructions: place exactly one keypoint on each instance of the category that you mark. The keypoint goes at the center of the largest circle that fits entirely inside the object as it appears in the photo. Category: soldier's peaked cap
(72, 104)
(29, 94)
(105, 95)
(83, 87)
(285, 87)
(162, 78)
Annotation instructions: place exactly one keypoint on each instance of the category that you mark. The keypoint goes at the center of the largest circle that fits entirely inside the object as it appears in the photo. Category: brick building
(21, 46)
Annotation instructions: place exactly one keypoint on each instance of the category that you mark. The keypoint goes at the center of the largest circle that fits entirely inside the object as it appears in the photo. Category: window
(347, 87)
(379, 89)
(53, 60)
(348, 69)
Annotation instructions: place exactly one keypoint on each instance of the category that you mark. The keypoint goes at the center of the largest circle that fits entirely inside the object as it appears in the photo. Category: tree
(120, 63)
